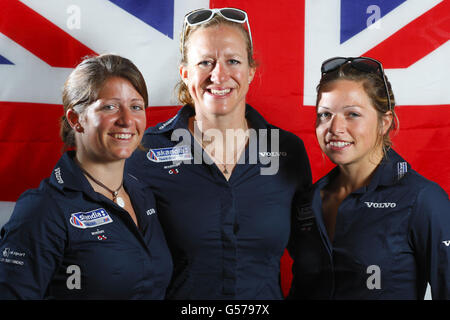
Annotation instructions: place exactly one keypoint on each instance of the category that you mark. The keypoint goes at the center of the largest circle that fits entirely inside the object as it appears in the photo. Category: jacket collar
(181, 119)
(390, 170)
(67, 176)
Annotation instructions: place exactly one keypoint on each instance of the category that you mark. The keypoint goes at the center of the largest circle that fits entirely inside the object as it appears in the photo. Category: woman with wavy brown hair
(377, 229)
(90, 231)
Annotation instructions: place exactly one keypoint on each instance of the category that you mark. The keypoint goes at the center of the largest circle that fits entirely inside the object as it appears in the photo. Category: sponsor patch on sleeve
(11, 256)
(90, 219)
(305, 218)
(178, 153)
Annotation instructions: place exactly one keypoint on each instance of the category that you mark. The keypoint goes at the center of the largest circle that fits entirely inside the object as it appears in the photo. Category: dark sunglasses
(200, 16)
(364, 64)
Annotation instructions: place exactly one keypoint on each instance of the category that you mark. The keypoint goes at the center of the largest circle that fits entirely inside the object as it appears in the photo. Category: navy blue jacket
(65, 241)
(226, 237)
(391, 238)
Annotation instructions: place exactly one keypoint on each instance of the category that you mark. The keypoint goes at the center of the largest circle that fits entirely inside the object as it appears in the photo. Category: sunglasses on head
(364, 64)
(200, 16)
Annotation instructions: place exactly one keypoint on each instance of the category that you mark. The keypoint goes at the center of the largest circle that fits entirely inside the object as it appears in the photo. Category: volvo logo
(380, 205)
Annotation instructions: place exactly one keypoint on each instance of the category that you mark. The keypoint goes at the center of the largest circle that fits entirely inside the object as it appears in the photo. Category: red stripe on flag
(407, 46)
(31, 145)
(40, 36)
(278, 37)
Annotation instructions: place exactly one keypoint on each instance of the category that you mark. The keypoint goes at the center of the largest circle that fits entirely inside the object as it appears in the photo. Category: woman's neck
(223, 137)
(108, 173)
(357, 175)
(205, 122)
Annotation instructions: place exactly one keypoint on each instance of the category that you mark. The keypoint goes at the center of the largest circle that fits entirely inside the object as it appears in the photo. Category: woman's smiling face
(217, 73)
(347, 127)
(113, 125)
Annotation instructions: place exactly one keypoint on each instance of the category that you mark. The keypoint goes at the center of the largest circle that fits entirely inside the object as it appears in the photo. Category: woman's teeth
(220, 92)
(123, 136)
(339, 144)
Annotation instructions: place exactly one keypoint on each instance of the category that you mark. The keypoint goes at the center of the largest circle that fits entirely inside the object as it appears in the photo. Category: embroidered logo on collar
(90, 219)
(165, 124)
(178, 153)
(58, 175)
(402, 169)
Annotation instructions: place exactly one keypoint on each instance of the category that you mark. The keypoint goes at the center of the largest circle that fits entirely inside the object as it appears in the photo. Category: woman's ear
(386, 122)
(73, 119)
(184, 73)
(251, 74)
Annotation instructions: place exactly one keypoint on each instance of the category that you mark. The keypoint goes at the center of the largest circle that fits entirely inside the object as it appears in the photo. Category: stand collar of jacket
(181, 119)
(67, 175)
(390, 170)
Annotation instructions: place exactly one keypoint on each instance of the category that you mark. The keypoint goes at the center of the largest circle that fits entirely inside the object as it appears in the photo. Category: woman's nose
(125, 117)
(219, 74)
(337, 125)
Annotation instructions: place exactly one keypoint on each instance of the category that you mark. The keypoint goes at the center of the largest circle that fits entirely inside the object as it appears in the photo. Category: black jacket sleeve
(430, 238)
(31, 247)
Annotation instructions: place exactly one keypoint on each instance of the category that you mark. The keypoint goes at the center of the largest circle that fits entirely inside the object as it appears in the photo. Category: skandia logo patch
(90, 219)
(380, 205)
(179, 153)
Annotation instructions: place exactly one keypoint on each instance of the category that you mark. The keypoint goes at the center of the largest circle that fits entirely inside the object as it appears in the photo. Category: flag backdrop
(42, 40)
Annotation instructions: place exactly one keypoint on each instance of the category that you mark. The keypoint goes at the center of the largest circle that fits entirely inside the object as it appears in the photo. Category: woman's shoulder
(426, 189)
(415, 181)
(285, 138)
(396, 173)
(259, 122)
(37, 207)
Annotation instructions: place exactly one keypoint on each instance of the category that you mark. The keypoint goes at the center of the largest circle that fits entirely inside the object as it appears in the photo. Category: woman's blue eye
(205, 63)
(137, 107)
(323, 115)
(354, 114)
